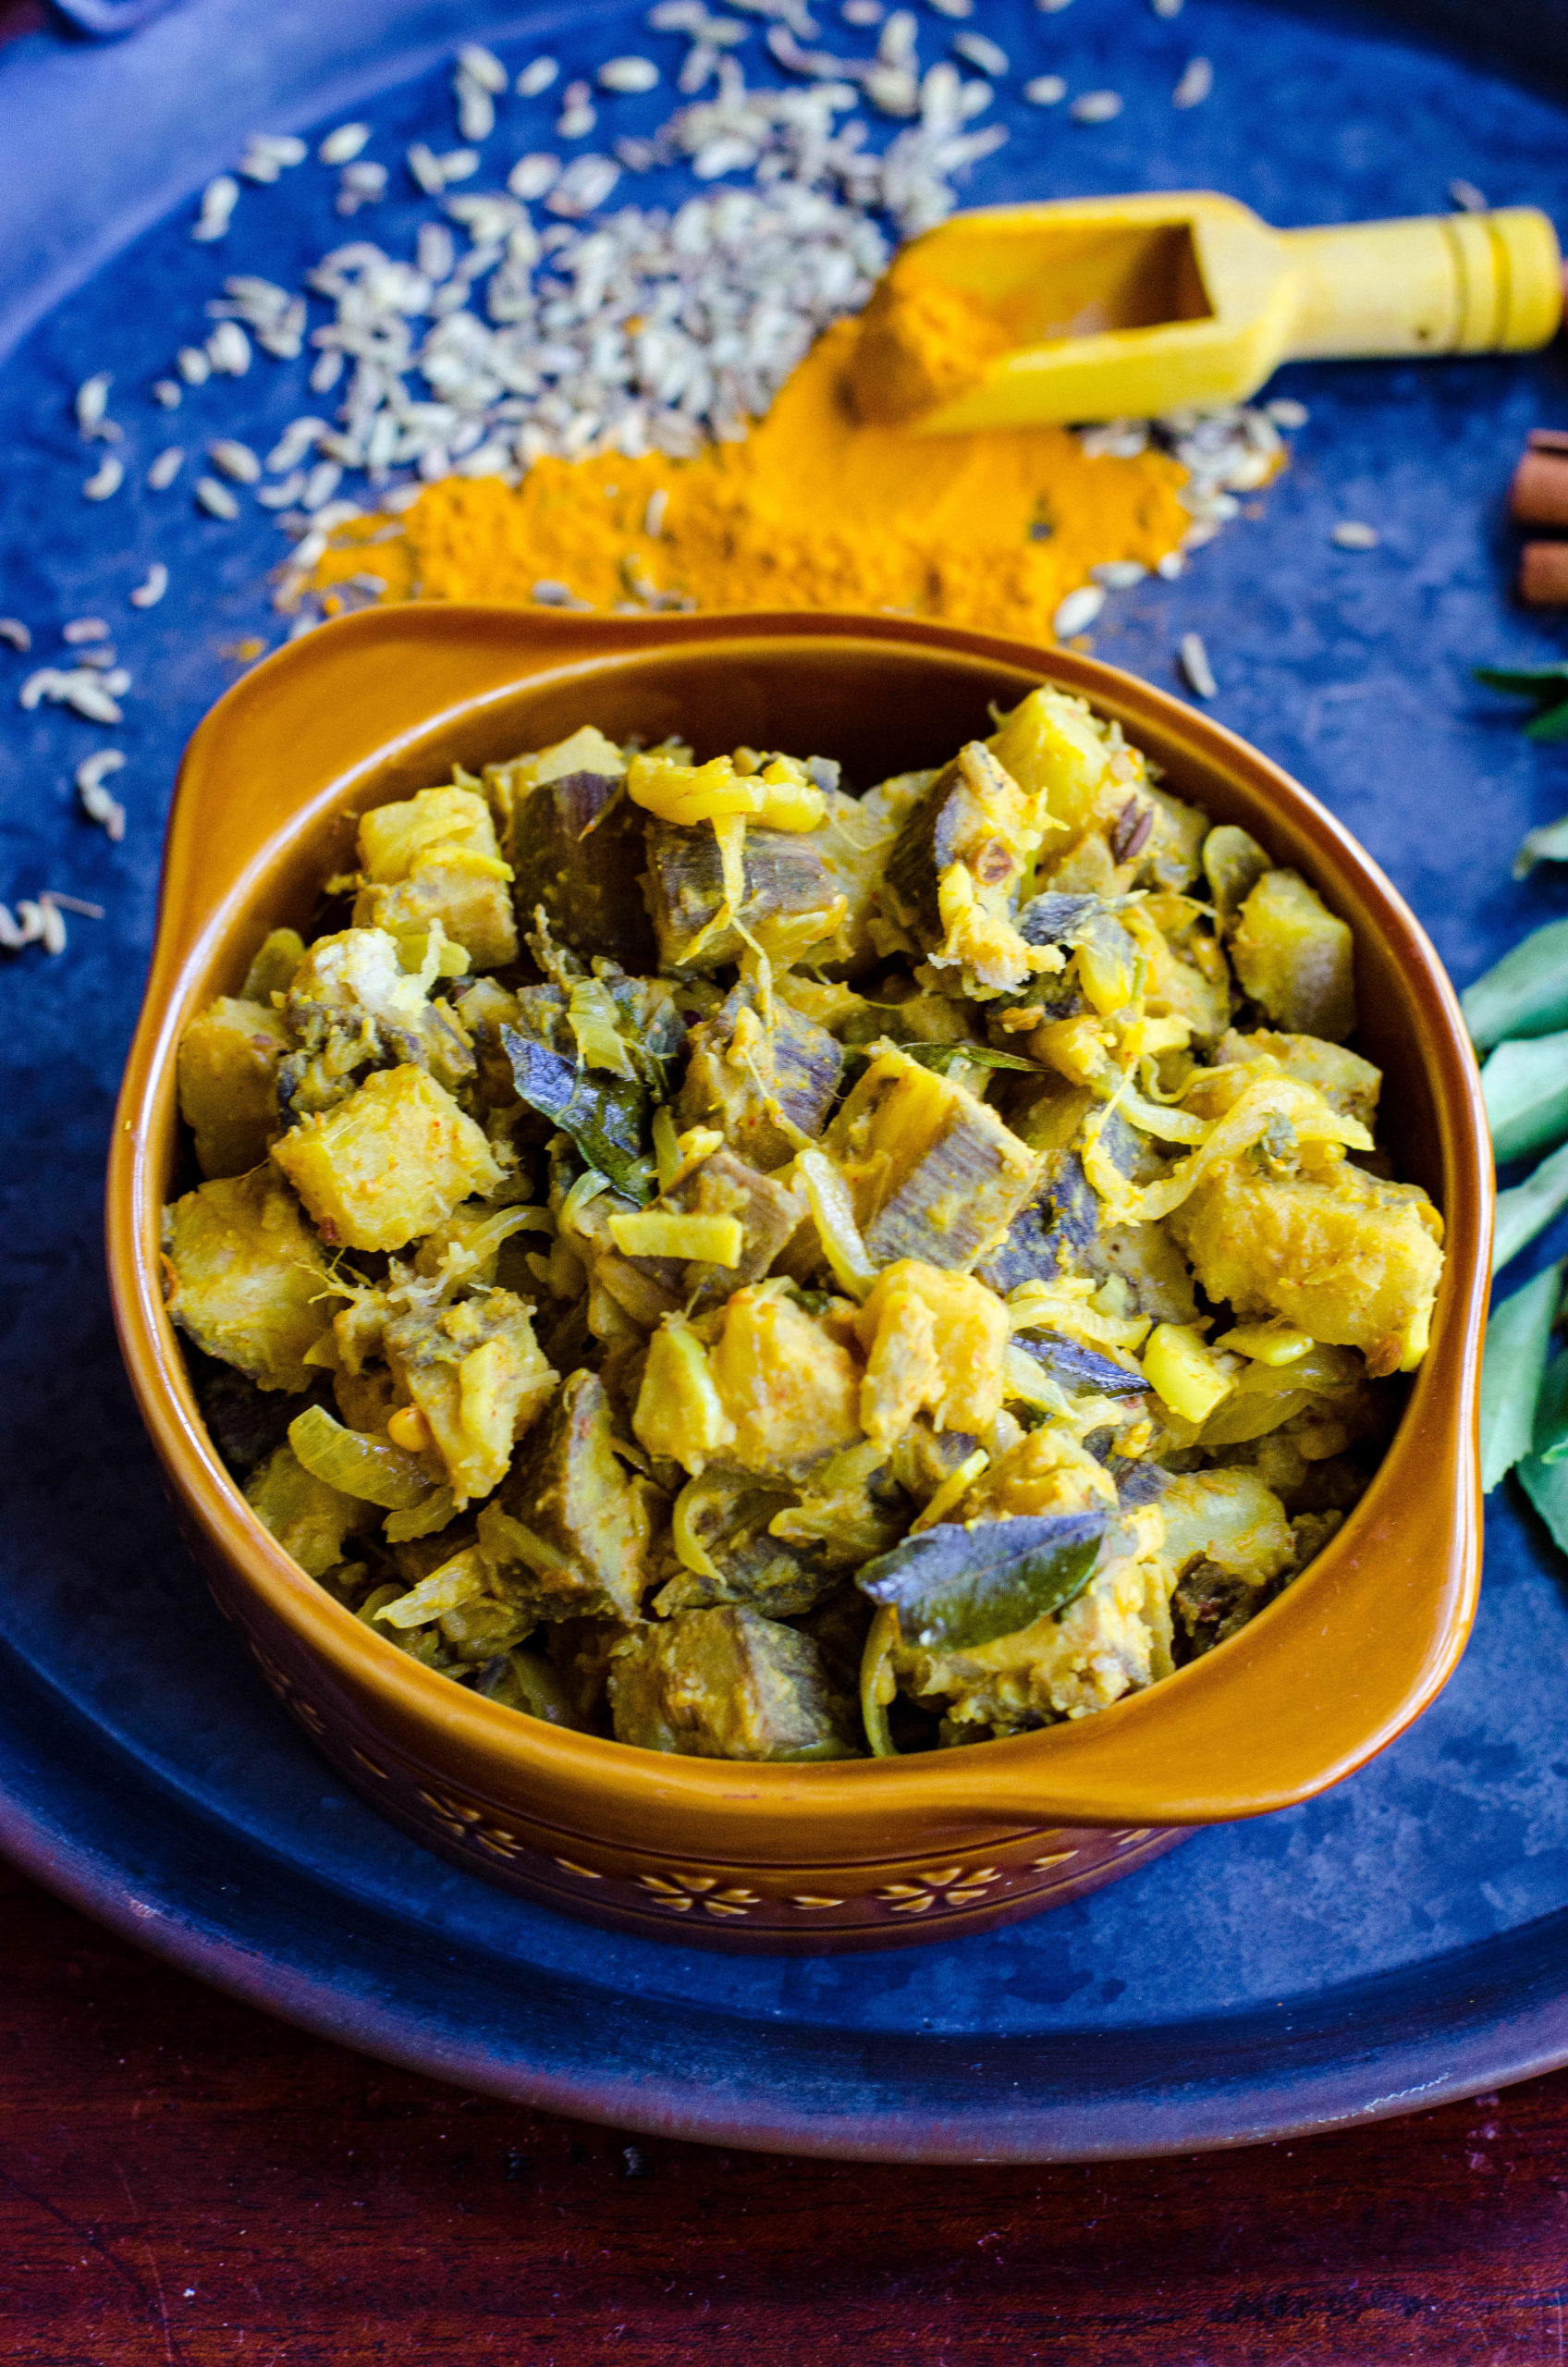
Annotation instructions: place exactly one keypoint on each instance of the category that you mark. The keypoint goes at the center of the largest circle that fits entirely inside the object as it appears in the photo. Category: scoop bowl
(856, 1854)
(1132, 307)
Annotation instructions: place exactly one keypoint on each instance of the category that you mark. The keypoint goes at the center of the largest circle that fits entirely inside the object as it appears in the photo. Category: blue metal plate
(1398, 1940)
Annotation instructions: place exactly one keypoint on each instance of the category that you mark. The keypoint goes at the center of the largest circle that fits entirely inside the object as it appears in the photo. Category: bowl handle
(383, 679)
(1286, 1709)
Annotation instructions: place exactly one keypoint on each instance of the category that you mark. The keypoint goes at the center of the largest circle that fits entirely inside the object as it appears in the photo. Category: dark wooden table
(184, 2183)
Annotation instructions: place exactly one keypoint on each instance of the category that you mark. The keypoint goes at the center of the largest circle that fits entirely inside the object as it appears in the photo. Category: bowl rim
(1102, 1769)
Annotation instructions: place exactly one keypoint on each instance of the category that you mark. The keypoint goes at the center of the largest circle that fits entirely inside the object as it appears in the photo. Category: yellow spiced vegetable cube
(229, 1061)
(479, 1379)
(1046, 1471)
(790, 1390)
(953, 876)
(1348, 1259)
(576, 1518)
(435, 857)
(935, 1345)
(763, 1085)
(246, 1277)
(787, 902)
(585, 751)
(1056, 752)
(680, 1416)
(576, 843)
(1346, 1082)
(724, 1683)
(389, 1164)
(1183, 1371)
(854, 843)
(1295, 959)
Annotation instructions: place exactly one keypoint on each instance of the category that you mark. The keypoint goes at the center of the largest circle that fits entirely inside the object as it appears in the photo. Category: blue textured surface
(1398, 1937)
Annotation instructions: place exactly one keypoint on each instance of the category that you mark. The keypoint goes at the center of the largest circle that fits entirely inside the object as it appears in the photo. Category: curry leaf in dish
(1545, 1477)
(943, 1058)
(1075, 1365)
(1550, 1440)
(1547, 845)
(1546, 1484)
(957, 1588)
(603, 1114)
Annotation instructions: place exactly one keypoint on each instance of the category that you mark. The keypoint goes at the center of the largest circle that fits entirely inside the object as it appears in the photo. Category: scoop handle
(1445, 283)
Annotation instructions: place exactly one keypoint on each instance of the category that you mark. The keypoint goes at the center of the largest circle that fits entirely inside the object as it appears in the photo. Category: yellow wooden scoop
(1128, 307)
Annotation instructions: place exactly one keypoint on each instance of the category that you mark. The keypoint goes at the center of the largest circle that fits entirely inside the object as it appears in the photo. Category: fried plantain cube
(1295, 959)
(434, 856)
(389, 1164)
(227, 1068)
(246, 1279)
(1353, 1262)
(761, 1086)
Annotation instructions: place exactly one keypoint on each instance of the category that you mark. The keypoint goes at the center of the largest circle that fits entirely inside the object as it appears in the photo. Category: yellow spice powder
(919, 343)
(812, 511)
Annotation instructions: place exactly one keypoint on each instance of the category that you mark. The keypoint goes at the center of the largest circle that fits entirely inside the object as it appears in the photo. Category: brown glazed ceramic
(863, 1853)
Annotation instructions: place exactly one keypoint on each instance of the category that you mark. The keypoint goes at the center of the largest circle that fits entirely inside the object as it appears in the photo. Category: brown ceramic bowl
(863, 1853)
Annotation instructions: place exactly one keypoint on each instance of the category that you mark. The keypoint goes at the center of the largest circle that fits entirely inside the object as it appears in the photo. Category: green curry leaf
(1526, 993)
(942, 1057)
(1545, 685)
(1528, 1208)
(1550, 1440)
(955, 1588)
(1548, 845)
(1076, 1368)
(1518, 1337)
(1548, 685)
(1546, 1484)
(606, 1116)
(1524, 1086)
(1545, 1476)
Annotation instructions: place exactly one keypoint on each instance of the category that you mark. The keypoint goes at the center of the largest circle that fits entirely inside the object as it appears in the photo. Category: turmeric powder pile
(812, 511)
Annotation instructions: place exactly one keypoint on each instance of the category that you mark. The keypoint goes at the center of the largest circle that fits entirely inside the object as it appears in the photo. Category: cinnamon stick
(1543, 575)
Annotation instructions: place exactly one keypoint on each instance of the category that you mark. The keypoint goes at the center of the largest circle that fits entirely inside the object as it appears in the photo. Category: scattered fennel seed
(1197, 668)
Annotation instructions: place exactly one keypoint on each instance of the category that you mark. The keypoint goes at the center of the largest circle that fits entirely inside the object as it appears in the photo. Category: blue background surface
(1400, 1935)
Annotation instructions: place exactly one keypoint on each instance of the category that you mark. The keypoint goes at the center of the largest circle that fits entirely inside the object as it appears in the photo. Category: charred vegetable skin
(788, 904)
(765, 1274)
(764, 1089)
(576, 848)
